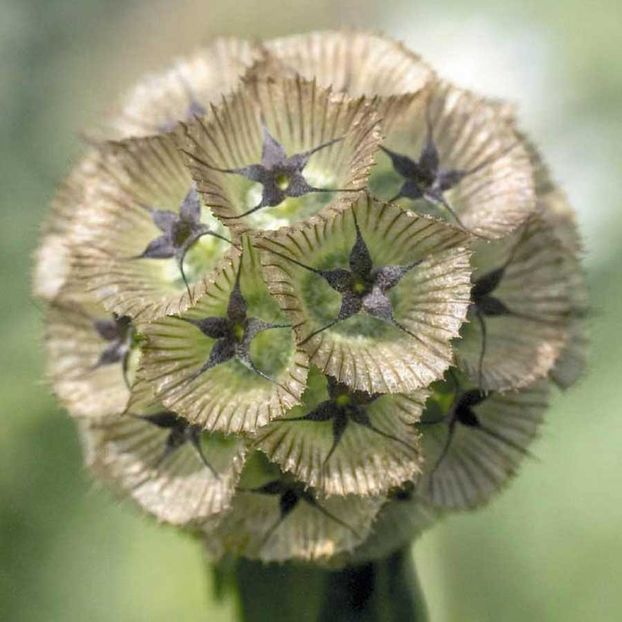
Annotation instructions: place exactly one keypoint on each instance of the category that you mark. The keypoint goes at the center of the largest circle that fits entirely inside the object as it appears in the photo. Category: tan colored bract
(305, 297)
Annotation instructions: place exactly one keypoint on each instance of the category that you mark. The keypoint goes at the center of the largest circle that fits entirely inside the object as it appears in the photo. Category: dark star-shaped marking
(363, 288)
(344, 407)
(119, 332)
(290, 494)
(426, 179)
(485, 304)
(280, 175)
(180, 432)
(462, 412)
(180, 231)
(233, 333)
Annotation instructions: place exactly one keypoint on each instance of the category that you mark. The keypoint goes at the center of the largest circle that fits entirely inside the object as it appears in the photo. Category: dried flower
(305, 297)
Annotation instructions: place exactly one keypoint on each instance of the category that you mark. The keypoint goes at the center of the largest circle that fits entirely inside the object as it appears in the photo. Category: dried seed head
(260, 349)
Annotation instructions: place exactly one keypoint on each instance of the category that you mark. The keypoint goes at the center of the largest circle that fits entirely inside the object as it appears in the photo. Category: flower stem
(385, 590)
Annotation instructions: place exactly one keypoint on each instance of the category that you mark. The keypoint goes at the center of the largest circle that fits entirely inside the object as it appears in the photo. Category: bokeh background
(550, 548)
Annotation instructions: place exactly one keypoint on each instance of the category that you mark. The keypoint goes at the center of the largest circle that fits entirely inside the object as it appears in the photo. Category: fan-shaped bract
(146, 240)
(229, 363)
(159, 101)
(341, 442)
(477, 444)
(386, 324)
(175, 471)
(277, 152)
(457, 157)
(521, 309)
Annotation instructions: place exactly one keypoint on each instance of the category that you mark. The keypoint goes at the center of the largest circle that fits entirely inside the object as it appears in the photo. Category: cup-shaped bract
(521, 309)
(92, 357)
(146, 240)
(375, 294)
(279, 151)
(343, 442)
(276, 518)
(160, 100)
(170, 468)
(230, 362)
(477, 444)
(356, 63)
(457, 157)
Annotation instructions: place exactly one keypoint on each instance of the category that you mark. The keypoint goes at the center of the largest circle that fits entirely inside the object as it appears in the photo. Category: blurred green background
(550, 548)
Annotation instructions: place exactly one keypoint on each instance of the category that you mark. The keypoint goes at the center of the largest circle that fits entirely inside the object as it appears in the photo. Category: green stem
(386, 590)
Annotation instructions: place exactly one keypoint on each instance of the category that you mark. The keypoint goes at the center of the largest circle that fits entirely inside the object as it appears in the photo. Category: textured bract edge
(554, 208)
(177, 488)
(160, 100)
(399, 522)
(305, 534)
(356, 63)
(363, 462)
(52, 258)
(228, 398)
(478, 464)
(537, 285)
(572, 361)
(115, 228)
(73, 349)
(468, 132)
(432, 304)
(300, 116)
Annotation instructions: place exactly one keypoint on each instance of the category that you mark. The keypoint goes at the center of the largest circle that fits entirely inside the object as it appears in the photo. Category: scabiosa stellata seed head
(305, 297)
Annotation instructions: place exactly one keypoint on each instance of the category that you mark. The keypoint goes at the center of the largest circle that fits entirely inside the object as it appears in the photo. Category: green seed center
(282, 181)
(343, 400)
(238, 332)
(359, 286)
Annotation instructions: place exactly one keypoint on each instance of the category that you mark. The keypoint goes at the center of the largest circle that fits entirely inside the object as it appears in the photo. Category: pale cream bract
(304, 297)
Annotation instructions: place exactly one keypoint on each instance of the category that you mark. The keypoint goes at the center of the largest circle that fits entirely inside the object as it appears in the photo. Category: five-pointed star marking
(280, 175)
(462, 413)
(425, 178)
(180, 231)
(344, 406)
(363, 288)
(180, 433)
(233, 333)
(290, 494)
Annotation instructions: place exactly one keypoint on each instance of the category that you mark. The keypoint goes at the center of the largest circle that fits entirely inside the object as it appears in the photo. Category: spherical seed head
(304, 297)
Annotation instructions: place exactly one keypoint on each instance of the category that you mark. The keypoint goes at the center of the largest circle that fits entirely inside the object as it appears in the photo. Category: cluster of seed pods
(305, 297)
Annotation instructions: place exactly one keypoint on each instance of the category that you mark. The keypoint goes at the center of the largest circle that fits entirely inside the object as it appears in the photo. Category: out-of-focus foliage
(549, 549)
